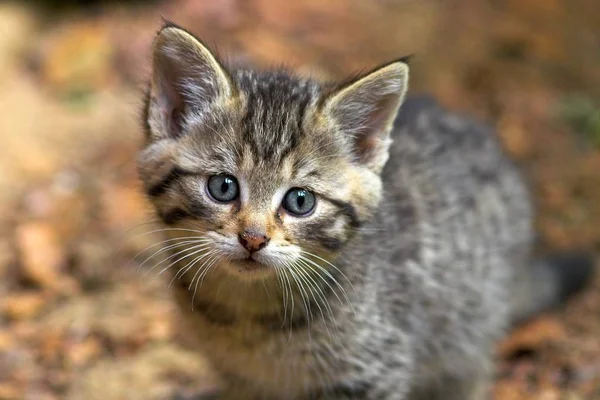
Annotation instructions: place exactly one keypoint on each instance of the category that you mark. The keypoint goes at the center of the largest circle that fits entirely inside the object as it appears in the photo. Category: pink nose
(253, 240)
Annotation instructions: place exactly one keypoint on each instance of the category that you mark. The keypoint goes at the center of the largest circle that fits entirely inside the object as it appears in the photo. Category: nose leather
(253, 240)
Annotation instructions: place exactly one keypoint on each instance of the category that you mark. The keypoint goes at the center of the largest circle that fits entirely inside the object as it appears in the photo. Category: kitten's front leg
(381, 389)
(222, 395)
(469, 384)
(469, 389)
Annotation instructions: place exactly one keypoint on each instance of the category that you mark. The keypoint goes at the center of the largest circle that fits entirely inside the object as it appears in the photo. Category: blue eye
(223, 188)
(299, 202)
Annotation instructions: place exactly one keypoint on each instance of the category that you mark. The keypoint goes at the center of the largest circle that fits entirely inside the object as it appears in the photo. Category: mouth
(249, 268)
(250, 263)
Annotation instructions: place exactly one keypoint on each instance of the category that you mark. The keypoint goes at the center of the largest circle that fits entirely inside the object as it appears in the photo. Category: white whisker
(335, 281)
(196, 249)
(307, 268)
(313, 285)
(201, 277)
(207, 258)
(183, 270)
(163, 249)
(283, 293)
(305, 300)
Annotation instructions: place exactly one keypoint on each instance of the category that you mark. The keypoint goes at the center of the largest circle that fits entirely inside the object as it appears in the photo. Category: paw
(195, 394)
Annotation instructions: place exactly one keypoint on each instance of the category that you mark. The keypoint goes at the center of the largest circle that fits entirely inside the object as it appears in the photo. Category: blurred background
(76, 319)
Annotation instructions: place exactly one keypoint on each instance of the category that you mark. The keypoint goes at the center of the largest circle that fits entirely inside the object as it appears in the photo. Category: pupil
(300, 199)
(224, 186)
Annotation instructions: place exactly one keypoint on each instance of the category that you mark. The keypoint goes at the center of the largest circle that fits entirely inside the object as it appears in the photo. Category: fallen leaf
(41, 253)
(23, 306)
(81, 353)
(533, 335)
(10, 391)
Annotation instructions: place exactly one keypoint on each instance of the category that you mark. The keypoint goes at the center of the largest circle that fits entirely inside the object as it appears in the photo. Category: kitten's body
(426, 266)
(430, 274)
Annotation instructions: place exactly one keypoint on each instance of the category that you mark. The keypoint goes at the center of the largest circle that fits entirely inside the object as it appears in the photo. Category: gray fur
(426, 252)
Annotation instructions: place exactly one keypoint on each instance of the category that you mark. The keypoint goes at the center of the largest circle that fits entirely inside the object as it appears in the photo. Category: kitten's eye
(223, 188)
(299, 202)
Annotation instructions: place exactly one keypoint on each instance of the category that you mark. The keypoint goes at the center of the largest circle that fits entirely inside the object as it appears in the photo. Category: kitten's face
(262, 171)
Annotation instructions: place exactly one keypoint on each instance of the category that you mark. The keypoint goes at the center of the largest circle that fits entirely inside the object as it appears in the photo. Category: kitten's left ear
(366, 109)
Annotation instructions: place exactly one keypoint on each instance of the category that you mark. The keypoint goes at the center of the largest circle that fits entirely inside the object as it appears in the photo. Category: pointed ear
(365, 110)
(186, 79)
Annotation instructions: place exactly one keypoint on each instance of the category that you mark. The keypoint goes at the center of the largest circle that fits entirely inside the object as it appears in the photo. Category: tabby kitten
(325, 245)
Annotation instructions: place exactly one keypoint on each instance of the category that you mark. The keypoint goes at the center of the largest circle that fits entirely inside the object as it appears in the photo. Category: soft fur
(399, 282)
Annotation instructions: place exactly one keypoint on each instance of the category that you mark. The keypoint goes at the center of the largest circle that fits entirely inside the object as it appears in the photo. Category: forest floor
(77, 321)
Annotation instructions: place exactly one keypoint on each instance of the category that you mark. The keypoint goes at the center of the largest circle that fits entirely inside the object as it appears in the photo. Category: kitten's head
(263, 170)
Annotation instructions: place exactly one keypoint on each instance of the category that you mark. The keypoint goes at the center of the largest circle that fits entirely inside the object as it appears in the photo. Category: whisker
(121, 235)
(305, 299)
(320, 268)
(209, 256)
(335, 281)
(330, 264)
(283, 293)
(307, 268)
(284, 274)
(199, 282)
(368, 230)
(305, 275)
(267, 291)
(170, 257)
(170, 230)
(163, 249)
(179, 260)
(196, 249)
(209, 267)
(183, 270)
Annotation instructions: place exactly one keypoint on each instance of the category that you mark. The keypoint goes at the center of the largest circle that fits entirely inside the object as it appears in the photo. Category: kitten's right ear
(186, 78)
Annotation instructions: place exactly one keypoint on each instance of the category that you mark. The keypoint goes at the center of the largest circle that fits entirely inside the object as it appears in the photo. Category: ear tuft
(365, 110)
(187, 79)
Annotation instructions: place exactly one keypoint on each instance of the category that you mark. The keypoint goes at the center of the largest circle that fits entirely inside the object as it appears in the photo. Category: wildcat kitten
(323, 244)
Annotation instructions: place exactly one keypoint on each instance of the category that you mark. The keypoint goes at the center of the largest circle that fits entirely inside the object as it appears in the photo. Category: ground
(80, 318)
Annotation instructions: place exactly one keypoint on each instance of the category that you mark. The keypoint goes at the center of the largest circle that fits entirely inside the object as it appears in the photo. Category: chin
(249, 269)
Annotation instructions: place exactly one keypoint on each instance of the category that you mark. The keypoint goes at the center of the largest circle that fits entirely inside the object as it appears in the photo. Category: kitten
(324, 244)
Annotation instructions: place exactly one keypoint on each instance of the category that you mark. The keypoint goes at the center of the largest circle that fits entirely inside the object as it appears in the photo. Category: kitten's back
(466, 158)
